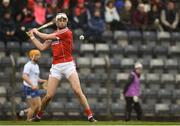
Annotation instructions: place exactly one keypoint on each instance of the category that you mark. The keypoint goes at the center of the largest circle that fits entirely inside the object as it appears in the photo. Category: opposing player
(61, 42)
(30, 81)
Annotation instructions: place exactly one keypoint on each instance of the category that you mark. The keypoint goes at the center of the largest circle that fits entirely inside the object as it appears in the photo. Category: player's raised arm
(44, 35)
(37, 43)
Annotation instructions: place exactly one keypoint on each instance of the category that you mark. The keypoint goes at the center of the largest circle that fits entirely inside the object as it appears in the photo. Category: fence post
(109, 87)
(13, 86)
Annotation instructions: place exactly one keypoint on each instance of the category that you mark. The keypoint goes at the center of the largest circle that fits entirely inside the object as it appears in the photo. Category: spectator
(8, 27)
(61, 5)
(96, 26)
(80, 15)
(111, 15)
(170, 17)
(97, 5)
(20, 29)
(119, 4)
(52, 9)
(17, 10)
(39, 12)
(126, 15)
(65, 6)
(140, 18)
(30, 4)
(154, 19)
(132, 92)
(147, 6)
(158, 3)
(135, 4)
(28, 18)
(5, 6)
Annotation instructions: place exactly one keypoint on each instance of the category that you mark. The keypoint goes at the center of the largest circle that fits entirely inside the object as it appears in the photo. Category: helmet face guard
(61, 15)
(61, 20)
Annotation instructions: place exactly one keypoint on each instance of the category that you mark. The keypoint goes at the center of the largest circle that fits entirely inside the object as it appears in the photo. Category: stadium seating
(162, 109)
(102, 49)
(175, 109)
(148, 109)
(149, 36)
(87, 49)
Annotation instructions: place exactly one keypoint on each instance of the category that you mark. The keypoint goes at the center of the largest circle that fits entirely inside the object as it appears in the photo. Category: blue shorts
(29, 93)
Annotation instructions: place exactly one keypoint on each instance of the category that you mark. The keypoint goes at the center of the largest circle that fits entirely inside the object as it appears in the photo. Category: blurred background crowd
(92, 16)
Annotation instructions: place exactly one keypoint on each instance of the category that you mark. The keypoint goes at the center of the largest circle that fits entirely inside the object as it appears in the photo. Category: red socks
(39, 114)
(88, 113)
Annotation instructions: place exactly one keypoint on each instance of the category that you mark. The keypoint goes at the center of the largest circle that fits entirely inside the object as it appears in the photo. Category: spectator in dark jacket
(17, 10)
(20, 28)
(135, 4)
(97, 5)
(154, 18)
(5, 6)
(80, 15)
(126, 15)
(8, 27)
(132, 92)
(170, 17)
(96, 26)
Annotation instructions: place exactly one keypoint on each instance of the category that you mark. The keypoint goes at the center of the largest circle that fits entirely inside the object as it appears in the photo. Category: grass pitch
(86, 123)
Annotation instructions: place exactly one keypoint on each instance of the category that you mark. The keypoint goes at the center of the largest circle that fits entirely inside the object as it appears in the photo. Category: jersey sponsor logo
(55, 42)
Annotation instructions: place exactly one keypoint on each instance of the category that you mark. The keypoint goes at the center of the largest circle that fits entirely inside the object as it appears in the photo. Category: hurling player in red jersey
(61, 42)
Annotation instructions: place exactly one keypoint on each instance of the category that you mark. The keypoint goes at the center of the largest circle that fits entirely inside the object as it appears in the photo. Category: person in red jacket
(61, 42)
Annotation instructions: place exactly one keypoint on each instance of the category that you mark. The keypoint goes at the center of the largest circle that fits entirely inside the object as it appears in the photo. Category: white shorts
(62, 69)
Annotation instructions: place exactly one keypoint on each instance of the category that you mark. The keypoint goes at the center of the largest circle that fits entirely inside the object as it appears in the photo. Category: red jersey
(62, 48)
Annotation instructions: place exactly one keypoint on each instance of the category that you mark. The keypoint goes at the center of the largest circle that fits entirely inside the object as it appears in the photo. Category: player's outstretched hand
(30, 33)
(34, 30)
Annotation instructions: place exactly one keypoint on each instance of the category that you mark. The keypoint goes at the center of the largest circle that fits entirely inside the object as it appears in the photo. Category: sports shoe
(35, 119)
(127, 120)
(92, 119)
(18, 117)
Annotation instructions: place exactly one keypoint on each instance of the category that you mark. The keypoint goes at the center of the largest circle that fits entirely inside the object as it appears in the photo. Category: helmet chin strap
(60, 27)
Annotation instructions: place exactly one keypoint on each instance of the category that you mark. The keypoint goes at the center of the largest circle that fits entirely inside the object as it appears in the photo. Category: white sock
(22, 113)
(90, 116)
